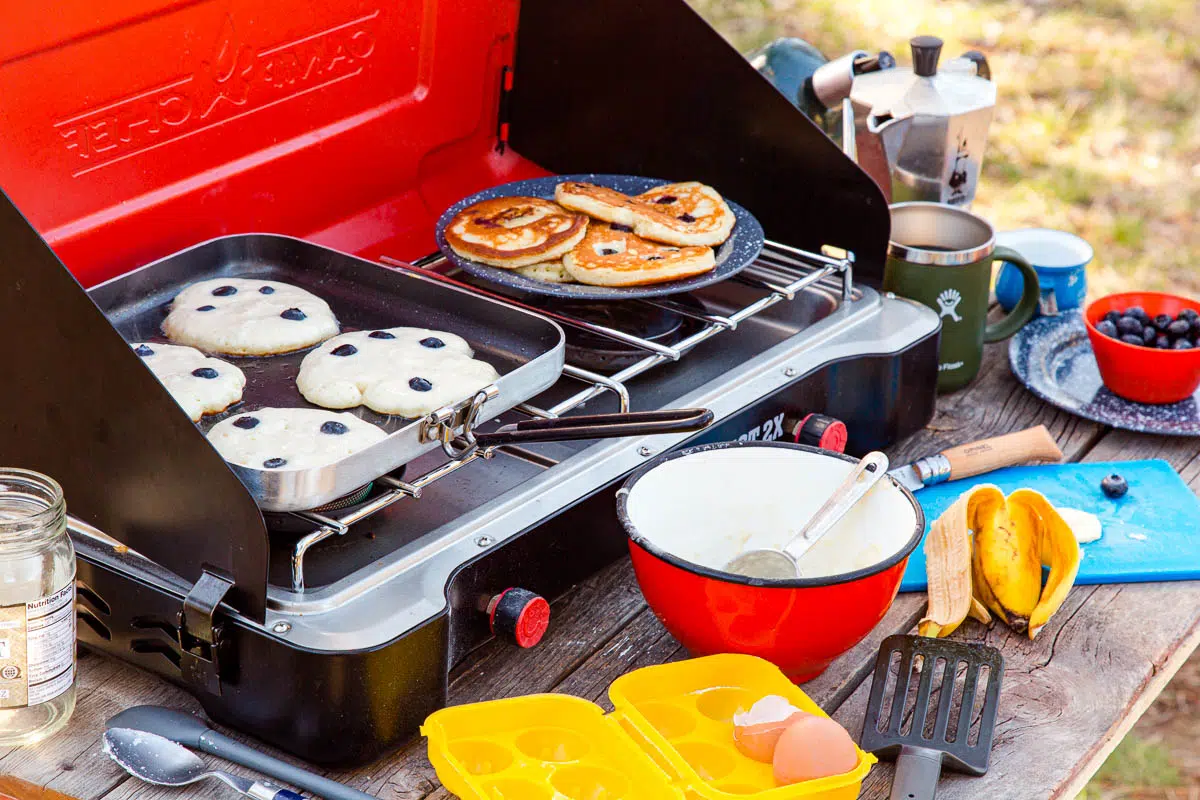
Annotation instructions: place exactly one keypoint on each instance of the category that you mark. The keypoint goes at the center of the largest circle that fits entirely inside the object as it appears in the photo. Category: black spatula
(959, 736)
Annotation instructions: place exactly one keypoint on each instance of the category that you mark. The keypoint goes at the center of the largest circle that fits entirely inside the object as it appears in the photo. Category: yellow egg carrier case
(670, 736)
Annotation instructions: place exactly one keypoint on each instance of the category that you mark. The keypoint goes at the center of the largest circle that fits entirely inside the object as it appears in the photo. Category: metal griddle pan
(527, 350)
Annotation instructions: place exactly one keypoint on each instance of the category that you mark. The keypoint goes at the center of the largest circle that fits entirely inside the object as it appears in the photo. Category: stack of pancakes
(596, 235)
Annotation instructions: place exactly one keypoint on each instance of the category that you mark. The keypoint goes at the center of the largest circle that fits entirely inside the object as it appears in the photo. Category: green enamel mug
(942, 256)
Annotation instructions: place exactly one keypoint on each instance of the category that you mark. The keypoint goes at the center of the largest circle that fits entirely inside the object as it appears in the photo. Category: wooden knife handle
(976, 458)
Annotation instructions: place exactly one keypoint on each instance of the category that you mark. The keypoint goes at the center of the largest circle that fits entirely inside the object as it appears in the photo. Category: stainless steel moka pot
(921, 133)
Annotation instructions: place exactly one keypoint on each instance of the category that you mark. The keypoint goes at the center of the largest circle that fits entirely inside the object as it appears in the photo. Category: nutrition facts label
(37, 649)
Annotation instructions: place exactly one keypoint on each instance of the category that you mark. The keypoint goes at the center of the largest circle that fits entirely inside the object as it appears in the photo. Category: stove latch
(199, 638)
(441, 425)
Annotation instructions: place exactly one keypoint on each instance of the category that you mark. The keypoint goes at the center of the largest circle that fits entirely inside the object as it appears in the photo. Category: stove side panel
(647, 87)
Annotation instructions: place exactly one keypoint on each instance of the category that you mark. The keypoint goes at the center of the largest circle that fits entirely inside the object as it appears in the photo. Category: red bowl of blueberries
(1147, 345)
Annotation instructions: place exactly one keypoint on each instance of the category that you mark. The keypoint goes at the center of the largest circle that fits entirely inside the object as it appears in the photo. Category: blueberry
(432, 342)
(1179, 328)
(1149, 335)
(419, 385)
(1162, 321)
(205, 372)
(206, 308)
(1107, 327)
(616, 226)
(266, 290)
(272, 463)
(686, 218)
(1129, 326)
(1162, 341)
(1131, 339)
(1188, 314)
(334, 427)
(607, 251)
(666, 199)
(343, 350)
(293, 314)
(1113, 316)
(246, 423)
(1138, 313)
(1196, 327)
(224, 291)
(380, 335)
(143, 351)
(1114, 486)
(1181, 344)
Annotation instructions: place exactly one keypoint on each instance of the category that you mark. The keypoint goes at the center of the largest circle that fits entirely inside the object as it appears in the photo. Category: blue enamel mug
(1060, 260)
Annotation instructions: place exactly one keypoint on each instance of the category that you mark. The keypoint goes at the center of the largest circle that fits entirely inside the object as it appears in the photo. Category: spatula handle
(976, 458)
(917, 773)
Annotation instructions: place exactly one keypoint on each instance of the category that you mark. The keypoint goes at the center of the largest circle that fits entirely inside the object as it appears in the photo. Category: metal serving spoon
(783, 564)
(158, 760)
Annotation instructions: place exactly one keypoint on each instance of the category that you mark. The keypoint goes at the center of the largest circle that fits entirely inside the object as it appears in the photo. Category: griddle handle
(598, 426)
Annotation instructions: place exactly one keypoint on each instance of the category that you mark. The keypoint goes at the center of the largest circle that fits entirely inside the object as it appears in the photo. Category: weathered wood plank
(71, 762)
(993, 404)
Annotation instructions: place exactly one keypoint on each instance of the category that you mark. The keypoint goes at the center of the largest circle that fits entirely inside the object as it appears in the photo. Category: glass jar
(37, 608)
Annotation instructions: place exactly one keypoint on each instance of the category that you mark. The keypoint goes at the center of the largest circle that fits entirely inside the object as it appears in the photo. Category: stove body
(355, 125)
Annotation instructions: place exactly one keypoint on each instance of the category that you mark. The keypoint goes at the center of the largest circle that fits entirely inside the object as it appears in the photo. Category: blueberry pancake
(248, 317)
(598, 202)
(612, 255)
(291, 438)
(685, 214)
(404, 371)
(511, 232)
(547, 272)
(201, 385)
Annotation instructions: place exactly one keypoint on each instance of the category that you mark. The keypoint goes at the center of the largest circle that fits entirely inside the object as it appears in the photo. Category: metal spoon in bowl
(158, 760)
(783, 564)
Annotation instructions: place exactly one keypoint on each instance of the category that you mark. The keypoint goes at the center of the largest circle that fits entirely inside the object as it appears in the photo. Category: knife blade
(976, 458)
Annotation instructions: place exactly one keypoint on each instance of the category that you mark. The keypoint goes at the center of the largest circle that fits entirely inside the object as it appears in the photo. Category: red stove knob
(819, 430)
(519, 615)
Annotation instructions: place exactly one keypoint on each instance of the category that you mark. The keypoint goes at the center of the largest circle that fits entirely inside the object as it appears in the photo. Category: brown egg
(758, 741)
(813, 747)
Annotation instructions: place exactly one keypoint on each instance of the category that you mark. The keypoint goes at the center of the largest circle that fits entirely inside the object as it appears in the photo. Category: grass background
(1096, 131)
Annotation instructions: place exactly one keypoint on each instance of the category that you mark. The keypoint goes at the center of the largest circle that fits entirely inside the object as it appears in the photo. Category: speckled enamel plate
(1053, 358)
(734, 255)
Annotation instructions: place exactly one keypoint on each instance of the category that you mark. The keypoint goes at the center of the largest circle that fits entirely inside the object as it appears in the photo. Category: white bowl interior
(1047, 248)
(707, 507)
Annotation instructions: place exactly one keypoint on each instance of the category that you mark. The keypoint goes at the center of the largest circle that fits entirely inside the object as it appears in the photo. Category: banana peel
(984, 557)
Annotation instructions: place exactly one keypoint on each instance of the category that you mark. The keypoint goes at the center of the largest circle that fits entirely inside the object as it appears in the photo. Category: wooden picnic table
(1068, 697)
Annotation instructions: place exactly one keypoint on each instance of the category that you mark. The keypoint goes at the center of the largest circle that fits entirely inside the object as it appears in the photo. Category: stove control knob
(819, 430)
(519, 615)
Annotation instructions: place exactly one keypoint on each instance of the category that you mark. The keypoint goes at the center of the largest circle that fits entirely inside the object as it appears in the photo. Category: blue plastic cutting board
(1150, 534)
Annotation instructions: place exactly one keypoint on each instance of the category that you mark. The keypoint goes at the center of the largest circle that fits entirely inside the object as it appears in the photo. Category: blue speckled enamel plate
(1053, 358)
(737, 252)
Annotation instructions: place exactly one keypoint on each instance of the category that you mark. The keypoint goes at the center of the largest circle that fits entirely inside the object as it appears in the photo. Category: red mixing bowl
(694, 505)
(1143, 374)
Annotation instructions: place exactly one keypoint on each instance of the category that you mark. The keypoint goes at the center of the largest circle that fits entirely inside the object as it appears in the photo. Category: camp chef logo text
(236, 79)
(770, 430)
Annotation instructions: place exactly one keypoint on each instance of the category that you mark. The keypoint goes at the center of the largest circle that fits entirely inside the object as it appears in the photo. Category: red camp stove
(146, 127)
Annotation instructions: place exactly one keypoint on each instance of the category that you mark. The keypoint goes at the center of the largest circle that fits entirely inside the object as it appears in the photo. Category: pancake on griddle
(612, 255)
(547, 272)
(598, 202)
(511, 232)
(688, 213)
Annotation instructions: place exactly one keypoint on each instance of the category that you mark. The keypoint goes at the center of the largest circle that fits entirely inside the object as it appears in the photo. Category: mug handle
(1031, 296)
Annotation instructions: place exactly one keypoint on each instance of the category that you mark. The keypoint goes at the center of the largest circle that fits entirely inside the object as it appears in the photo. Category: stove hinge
(506, 85)
(200, 639)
